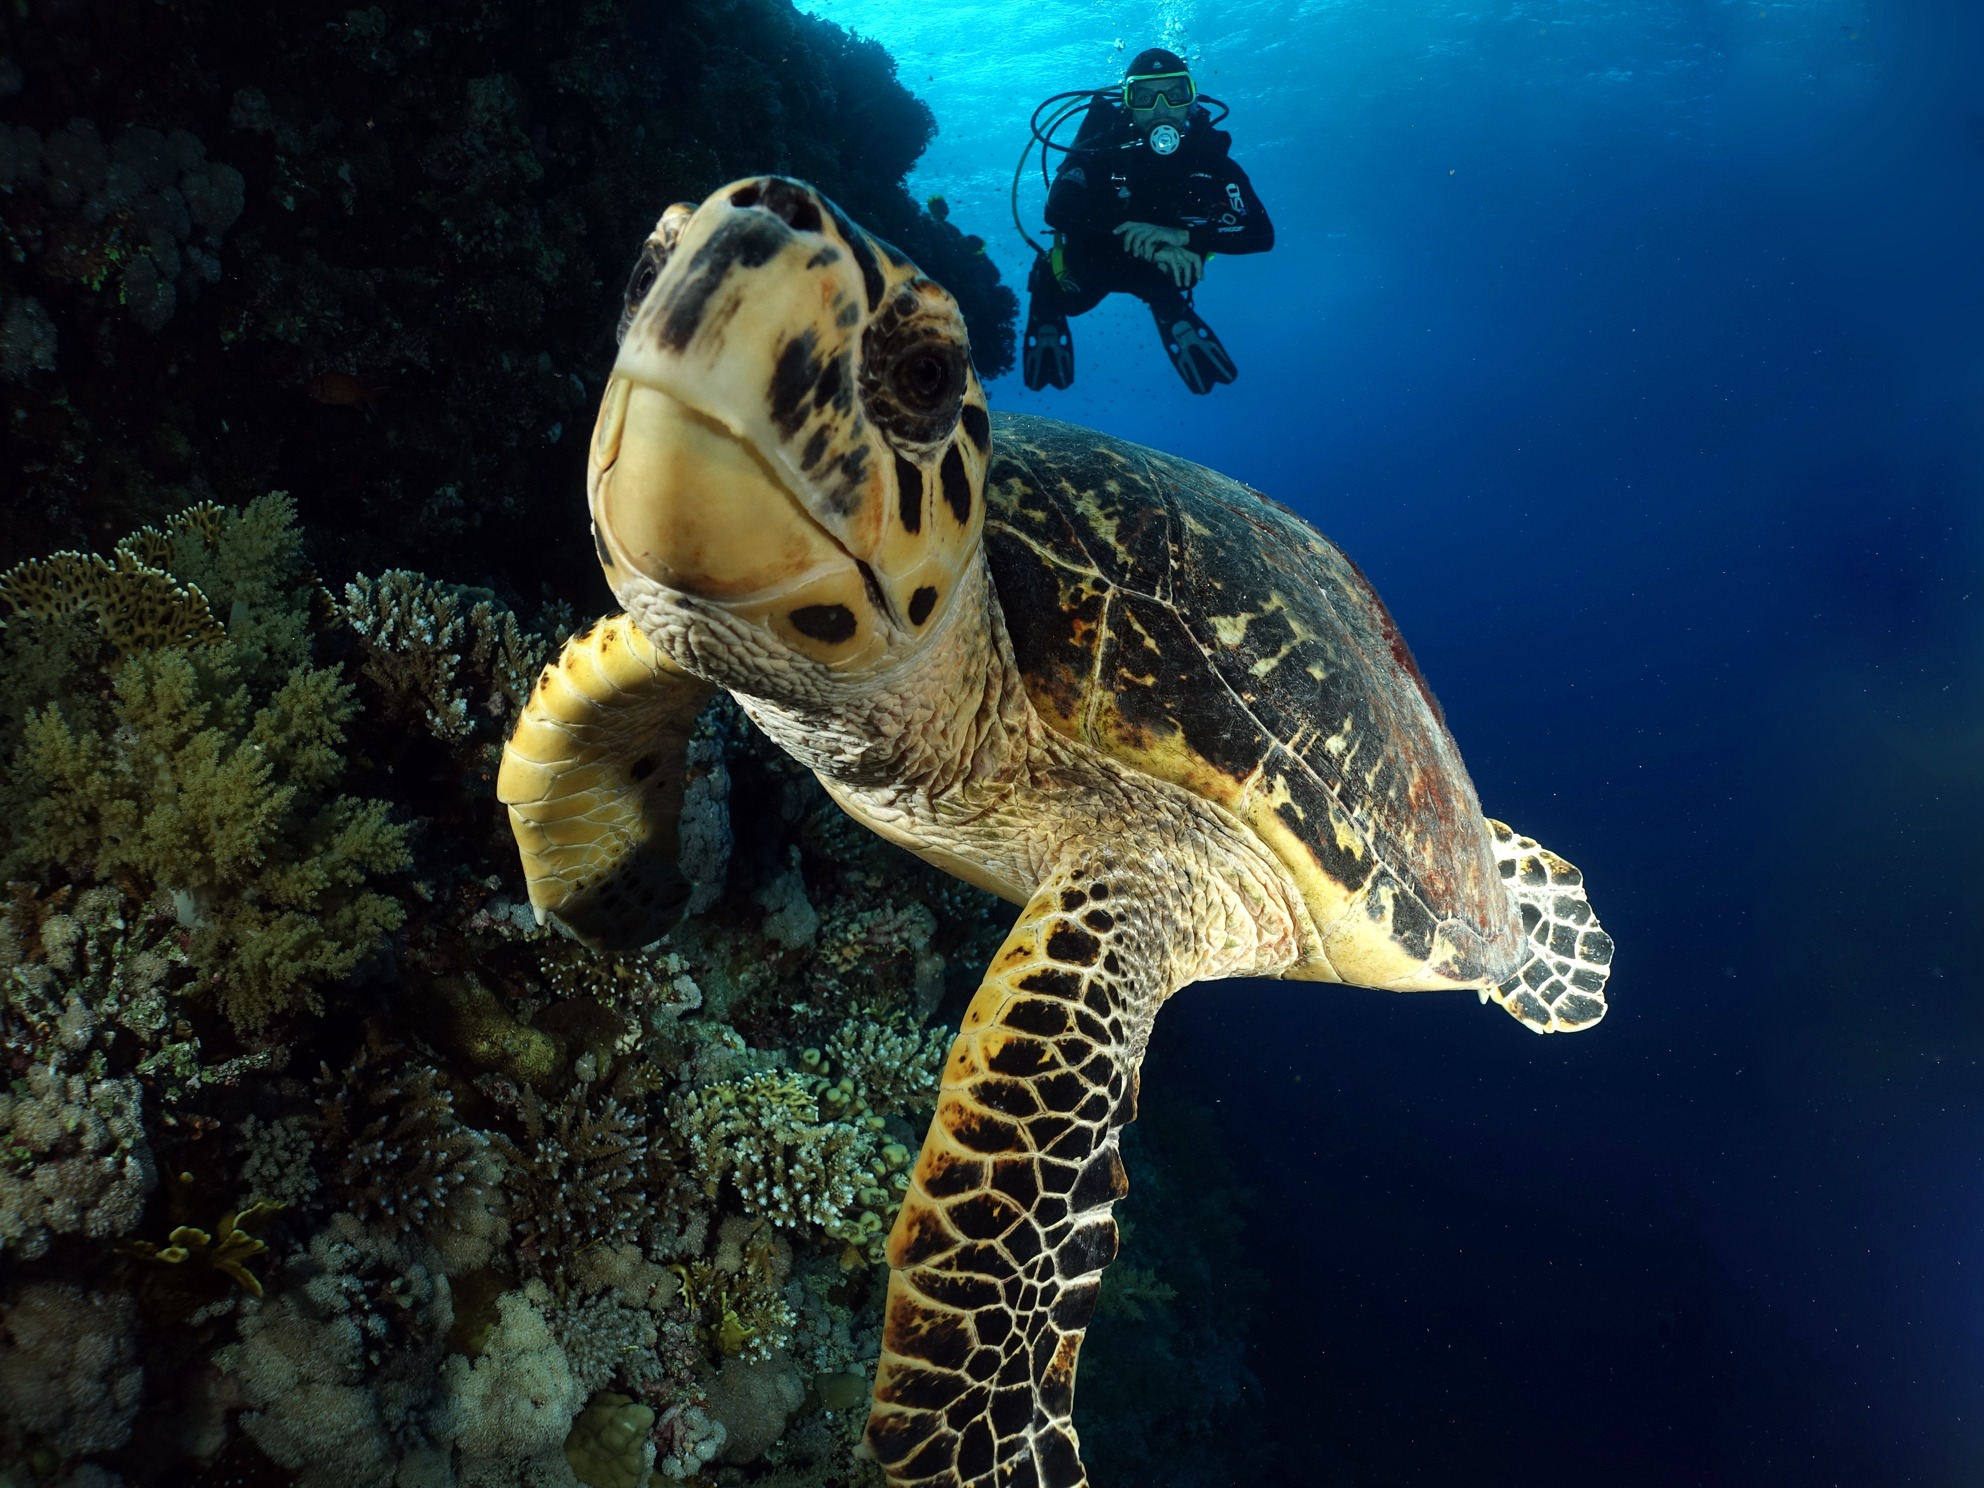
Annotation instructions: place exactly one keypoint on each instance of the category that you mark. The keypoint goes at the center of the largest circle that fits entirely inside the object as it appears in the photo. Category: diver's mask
(1145, 93)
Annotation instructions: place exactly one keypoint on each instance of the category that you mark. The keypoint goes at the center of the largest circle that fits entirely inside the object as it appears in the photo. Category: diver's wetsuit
(1110, 177)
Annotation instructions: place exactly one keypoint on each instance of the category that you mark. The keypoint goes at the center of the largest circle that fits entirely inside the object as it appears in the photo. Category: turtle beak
(679, 498)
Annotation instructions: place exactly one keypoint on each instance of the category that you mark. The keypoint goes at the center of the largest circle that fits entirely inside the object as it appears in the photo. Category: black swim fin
(1047, 355)
(1193, 348)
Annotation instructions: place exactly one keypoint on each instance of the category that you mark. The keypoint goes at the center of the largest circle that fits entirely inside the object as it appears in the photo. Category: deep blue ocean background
(1636, 351)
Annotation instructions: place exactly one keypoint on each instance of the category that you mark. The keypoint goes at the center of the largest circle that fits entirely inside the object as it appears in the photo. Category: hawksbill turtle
(1151, 707)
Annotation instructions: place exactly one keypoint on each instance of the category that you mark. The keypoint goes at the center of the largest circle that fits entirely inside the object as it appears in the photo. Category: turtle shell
(1188, 627)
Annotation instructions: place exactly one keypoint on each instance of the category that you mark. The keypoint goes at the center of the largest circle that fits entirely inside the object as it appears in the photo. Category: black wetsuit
(1109, 177)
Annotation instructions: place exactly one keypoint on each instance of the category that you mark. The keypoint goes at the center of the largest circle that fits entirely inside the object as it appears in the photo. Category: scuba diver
(1146, 195)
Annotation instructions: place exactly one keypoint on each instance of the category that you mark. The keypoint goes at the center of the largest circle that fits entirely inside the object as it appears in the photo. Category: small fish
(346, 391)
(938, 208)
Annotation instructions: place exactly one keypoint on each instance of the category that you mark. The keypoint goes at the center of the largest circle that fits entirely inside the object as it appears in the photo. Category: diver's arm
(1248, 231)
(1079, 202)
(1071, 204)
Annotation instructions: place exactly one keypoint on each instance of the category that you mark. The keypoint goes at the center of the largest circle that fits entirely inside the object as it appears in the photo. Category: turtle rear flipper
(594, 775)
(1559, 986)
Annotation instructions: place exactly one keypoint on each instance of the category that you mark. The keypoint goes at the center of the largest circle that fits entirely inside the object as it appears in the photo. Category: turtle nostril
(791, 203)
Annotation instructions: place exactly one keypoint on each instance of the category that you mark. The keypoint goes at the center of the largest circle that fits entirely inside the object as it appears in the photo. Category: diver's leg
(1200, 360)
(1047, 351)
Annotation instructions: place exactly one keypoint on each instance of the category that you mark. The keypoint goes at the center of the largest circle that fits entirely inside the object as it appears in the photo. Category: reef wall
(320, 1161)
(371, 256)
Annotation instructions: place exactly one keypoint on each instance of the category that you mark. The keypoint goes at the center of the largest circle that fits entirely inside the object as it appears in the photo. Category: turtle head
(793, 437)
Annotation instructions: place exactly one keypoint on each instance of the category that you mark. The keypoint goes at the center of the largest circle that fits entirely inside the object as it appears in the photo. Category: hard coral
(610, 1445)
(585, 1173)
(763, 1136)
(402, 1162)
(447, 658)
(74, 1159)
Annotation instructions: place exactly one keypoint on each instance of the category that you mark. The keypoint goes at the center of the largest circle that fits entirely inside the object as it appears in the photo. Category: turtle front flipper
(1559, 986)
(593, 775)
(999, 1249)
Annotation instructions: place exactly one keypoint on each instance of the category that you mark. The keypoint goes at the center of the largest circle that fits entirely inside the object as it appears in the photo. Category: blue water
(1637, 353)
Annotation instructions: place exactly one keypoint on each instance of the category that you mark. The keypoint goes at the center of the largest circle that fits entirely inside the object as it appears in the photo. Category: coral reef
(205, 779)
(371, 254)
(493, 1208)
(320, 1160)
(68, 1370)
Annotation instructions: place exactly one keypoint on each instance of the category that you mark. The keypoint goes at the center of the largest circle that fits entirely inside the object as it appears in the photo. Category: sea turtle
(1143, 702)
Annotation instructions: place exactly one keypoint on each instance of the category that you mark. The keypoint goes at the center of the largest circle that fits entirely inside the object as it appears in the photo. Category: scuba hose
(1074, 102)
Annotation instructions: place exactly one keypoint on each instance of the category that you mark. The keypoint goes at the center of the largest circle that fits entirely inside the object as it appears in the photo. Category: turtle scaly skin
(1153, 709)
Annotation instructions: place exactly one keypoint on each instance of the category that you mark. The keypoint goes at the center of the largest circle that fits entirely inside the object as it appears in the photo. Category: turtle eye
(915, 367)
(914, 388)
(927, 378)
(647, 269)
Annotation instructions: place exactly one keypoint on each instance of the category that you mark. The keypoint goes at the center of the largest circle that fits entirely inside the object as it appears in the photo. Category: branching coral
(737, 1296)
(875, 962)
(401, 1161)
(585, 1173)
(195, 782)
(604, 1340)
(445, 657)
(763, 1136)
(894, 1071)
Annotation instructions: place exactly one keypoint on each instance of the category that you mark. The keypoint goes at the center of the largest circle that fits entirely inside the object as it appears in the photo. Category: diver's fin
(594, 776)
(1194, 350)
(1048, 355)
